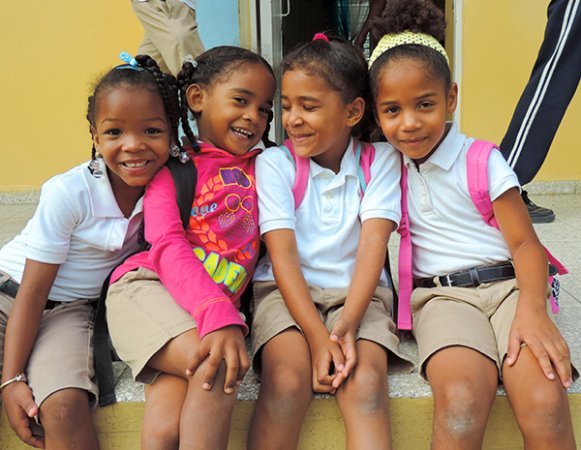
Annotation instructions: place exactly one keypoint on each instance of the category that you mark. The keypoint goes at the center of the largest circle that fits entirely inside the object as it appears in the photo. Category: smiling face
(316, 119)
(411, 108)
(132, 134)
(232, 114)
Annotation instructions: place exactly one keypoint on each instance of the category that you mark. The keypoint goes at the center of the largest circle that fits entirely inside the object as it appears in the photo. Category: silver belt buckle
(449, 280)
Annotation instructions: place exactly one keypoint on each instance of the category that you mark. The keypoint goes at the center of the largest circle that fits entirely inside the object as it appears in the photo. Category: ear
(355, 111)
(452, 99)
(196, 96)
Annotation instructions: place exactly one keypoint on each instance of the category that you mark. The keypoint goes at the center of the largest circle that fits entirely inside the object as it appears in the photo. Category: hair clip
(321, 36)
(127, 58)
(190, 59)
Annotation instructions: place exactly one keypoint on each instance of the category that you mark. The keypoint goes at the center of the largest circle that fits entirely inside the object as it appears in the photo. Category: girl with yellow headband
(470, 336)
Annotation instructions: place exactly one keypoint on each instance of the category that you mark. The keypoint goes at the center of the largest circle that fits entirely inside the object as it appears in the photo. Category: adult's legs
(464, 385)
(540, 405)
(285, 393)
(542, 105)
(363, 399)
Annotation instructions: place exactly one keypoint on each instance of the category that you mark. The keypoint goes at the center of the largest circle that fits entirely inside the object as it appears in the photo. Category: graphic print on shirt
(223, 222)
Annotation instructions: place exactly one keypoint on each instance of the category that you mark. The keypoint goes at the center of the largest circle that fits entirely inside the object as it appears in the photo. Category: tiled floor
(563, 237)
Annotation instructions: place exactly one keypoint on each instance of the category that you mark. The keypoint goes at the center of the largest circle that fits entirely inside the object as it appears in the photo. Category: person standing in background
(171, 31)
(542, 105)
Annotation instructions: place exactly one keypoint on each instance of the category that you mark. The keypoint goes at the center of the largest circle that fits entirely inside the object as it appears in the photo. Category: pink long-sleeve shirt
(206, 266)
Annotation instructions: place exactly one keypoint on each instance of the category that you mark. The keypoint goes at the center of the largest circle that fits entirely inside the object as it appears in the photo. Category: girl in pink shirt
(172, 310)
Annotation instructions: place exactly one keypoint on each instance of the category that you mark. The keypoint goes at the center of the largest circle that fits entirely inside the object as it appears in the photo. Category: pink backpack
(477, 173)
(364, 153)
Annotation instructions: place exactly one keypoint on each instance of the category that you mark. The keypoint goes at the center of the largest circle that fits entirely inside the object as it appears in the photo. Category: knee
(460, 410)
(164, 435)
(367, 391)
(65, 411)
(546, 413)
(287, 390)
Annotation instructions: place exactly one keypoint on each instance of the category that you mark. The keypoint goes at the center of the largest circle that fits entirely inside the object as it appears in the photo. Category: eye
(153, 130)
(309, 108)
(265, 110)
(285, 107)
(112, 132)
(426, 105)
(240, 100)
(391, 110)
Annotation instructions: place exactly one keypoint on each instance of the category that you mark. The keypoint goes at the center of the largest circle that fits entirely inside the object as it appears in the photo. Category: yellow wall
(500, 43)
(51, 53)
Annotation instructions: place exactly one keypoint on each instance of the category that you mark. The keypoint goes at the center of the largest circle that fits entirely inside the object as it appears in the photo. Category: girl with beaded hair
(469, 334)
(173, 310)
(87, 221)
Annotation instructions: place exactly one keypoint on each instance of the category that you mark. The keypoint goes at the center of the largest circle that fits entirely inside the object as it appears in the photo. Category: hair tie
(131, 62)
(190, 59)
(321, 36)
(389, 41)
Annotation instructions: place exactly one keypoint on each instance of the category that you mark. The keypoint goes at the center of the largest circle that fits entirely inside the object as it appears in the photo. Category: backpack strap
(301, 172)
(185, 177)
(477, 176)
(405, 276)
(364, 153)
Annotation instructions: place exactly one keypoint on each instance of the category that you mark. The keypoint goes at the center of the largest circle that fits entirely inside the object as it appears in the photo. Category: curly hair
(419, 16)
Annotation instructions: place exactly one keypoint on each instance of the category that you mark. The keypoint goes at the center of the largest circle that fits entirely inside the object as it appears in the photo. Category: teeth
(133, 165)
(243, 132)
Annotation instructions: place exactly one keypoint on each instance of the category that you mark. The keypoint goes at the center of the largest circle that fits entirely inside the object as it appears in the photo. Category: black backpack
(185, 178)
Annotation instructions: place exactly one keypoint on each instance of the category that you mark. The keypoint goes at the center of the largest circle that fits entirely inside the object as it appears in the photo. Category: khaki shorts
(479, 318)
(143, 317)
(62, 356)
(271, 317)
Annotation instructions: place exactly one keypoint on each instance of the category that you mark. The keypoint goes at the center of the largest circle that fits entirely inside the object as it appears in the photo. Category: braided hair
(214, 66)
(146, 74)
(342, 66)
(419, 16)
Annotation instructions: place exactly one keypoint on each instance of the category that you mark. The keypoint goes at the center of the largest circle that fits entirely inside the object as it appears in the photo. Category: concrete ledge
(119, 425)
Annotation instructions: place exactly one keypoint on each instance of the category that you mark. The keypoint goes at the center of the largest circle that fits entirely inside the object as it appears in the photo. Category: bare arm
(531, 324)
(21, 332)
(369, 264)
(282, 248)
(375, 9)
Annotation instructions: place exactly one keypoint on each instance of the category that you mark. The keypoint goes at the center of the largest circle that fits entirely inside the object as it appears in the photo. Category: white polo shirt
(78, 225)
(447, 231)
(328, 221)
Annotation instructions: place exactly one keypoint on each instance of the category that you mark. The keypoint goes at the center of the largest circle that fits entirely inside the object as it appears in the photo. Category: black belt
(470, 278)
(10, 287)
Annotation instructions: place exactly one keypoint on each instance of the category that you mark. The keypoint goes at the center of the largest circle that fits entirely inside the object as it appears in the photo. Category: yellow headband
(389, 41)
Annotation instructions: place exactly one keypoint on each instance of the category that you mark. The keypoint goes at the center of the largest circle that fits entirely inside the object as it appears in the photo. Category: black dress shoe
(537, 213)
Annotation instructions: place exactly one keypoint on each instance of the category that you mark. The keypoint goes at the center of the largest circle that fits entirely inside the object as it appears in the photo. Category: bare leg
(67, 421)
(540, 405)
(464, 385)
(363, 399)
(205, 415)
(164, 399)
(285, 393)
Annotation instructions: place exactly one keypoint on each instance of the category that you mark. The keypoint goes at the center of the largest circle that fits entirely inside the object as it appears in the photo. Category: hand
(535, 329)
(224, 344)
(324, 355)
(344, 334)
(20, 408)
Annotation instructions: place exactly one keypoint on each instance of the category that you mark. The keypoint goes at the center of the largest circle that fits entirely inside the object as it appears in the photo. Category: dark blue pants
(549, 91)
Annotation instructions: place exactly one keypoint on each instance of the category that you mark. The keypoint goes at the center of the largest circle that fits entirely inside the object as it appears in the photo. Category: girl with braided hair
(87, 221)
(172, 310)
